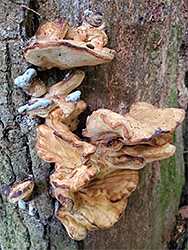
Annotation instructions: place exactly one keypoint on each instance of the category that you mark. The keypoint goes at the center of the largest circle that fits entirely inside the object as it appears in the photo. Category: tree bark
(147, 36)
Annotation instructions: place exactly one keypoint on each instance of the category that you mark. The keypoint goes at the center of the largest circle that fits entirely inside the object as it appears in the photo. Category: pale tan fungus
(37, 88)
(96, 178)
(18, 191)
(55, 104)
(66, 114)
(52, 30)
(30, 84)
(82, 46)
(91, 31)
(107, 197)
(134, 157)
(66, 149)
(143, 123)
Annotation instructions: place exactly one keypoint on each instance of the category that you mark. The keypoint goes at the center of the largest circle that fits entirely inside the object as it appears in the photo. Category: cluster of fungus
(55, 45)
(92, 179)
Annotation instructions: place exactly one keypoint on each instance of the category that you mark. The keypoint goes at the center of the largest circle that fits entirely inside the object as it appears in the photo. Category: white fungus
(40, 103)
(25, 79)
(73, 97)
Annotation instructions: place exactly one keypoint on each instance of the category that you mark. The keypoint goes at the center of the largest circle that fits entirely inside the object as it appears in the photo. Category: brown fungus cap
(143, 123)
(151, 153)
(114, 184)
(52, 30)
(57, 146)
(67, 114)
(106, 196)
(73, 157)
(68, 84)
(135, 157)
(30, 84)
(82, 46)
(87, 214)
(73, 180)
(66, 54)
(18, 191)
(92, 31)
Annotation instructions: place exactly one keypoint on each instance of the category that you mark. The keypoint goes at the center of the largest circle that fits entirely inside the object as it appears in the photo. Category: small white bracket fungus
(30, 84)
(73, 97)
(24, 80)
(22, 204)
(32, 208)
(35, 104)
(56, 100)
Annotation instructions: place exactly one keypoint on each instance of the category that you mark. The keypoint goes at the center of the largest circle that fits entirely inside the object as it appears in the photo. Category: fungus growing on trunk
(54, 46)
(96, 178)
(57, 102)
(30, 84)
(144, 124)
(73, 156)
(18, 191)
(83, 185)
(135, 157)
(52, 30)
(105, 195)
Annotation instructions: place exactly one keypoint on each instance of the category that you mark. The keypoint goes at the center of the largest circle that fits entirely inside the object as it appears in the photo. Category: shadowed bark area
(147, 36)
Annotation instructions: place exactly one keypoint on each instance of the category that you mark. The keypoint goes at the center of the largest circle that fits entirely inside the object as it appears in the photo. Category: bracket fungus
(143, 124)
(30, 84)
(135, 157)
(80, 184)
(56, 46)
(74, 167)
(97, 177)
(18, 191)
(94, 177)
(88, 210)
(56, 101)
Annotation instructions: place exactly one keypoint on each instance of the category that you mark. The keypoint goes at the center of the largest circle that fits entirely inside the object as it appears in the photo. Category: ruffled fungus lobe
(66, 114)
(18, 191)
(82, 46)
(143, 124)
(91, 31)
(52, 30)
(74, 168)
(81, 183)
(106, 195)
(135, 157)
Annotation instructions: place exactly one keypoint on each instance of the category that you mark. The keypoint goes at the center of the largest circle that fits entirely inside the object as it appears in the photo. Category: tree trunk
(146, 36)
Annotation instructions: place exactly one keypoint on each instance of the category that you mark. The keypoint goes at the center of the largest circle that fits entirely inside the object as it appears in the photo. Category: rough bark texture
(147, 36)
